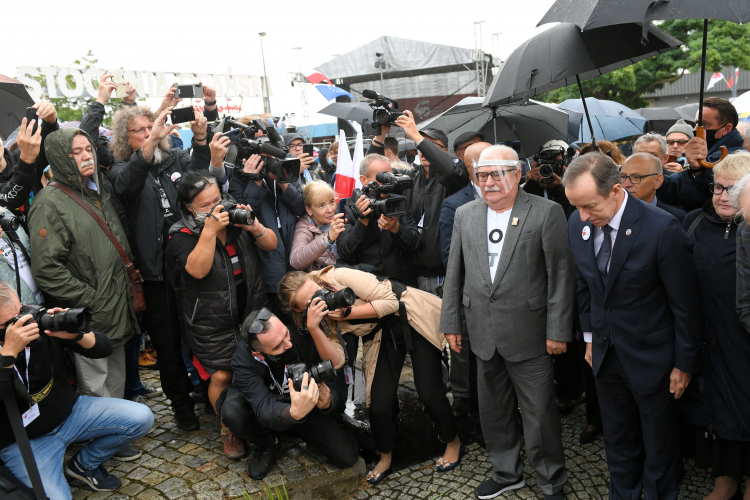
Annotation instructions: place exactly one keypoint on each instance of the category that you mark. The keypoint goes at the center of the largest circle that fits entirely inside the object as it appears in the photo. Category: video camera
(285, 169)
(393, 206)
(550, 164)
(322, 372)
(381, 109)
(74, 320)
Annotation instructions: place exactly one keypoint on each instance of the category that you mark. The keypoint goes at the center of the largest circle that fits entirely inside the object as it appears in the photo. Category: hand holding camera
(406, 122)
(316, 311)
(106, 87)
(216, 220)
(324, 396)
(305, 161)
(19, 334)
(253, 165)
(218, 146)
(169, 100)
(160, 129)
(29, 140)
(304, 398)
(389, 224)
(363, 205)
(337, 226)
(46, 111)
(244, 217)
(199, 126)
(209, 95)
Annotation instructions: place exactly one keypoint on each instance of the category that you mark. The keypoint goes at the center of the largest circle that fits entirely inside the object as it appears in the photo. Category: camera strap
(27, 349)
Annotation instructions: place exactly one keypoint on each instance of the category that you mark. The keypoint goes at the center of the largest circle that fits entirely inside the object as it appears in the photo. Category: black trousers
(319, 429)
(640, 435)
(569, 380)
(428, 380)
(163, 326)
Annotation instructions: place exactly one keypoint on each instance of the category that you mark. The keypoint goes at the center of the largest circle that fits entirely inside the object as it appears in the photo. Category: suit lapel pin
(586, 233)
(515, 221)
(628, 232)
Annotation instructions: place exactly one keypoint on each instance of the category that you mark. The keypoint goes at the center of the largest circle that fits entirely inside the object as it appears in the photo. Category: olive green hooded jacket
(73, 261)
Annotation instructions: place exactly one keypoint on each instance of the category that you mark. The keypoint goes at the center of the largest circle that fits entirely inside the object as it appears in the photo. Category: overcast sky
(213, 36)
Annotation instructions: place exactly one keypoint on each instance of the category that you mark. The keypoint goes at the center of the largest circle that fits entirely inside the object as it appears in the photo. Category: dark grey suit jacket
(532, 297)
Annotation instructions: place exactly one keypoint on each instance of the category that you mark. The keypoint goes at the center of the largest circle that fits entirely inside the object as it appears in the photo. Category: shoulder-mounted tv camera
(393, 206)
(551, 161)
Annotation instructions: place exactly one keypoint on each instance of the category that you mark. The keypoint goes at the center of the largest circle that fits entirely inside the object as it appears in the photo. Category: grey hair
(7, 294)
(602, 168)
(656, 167)
(364, 167)
(121, 122)
(651, 137)
(744, 129)
(735, 195)
(496, 150)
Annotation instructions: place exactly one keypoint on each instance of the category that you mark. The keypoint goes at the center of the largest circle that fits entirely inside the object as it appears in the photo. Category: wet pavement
(192, 466)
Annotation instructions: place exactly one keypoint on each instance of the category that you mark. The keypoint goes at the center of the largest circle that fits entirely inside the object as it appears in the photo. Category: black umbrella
(659, 119)
(354, 111)
(593, 14)
(14, 99)
(687, 111)
(564, 55)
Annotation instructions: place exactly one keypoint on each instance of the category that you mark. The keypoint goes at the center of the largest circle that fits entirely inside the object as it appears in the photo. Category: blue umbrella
(610, 120)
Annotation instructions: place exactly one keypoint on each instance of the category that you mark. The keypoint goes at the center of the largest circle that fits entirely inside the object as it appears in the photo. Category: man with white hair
(744, 129)
(656, 145)
(511, 268)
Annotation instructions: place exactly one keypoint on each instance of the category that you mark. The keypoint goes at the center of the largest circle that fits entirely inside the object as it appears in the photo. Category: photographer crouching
(54, 416)
(217, 278)
(284, 380)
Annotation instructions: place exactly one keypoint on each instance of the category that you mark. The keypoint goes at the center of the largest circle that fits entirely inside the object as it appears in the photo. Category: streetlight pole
(265, 75)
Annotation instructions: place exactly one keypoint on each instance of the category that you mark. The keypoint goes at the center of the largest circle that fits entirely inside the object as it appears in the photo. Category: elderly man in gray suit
(512, 268)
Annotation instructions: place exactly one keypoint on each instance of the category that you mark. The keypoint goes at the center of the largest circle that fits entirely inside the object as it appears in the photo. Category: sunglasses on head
(259, 323)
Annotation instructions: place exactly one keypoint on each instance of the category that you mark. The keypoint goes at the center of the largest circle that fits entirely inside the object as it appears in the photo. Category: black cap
(466, 137)
(435, 133)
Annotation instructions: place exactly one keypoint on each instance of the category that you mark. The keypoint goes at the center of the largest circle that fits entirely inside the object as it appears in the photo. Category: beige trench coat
(423, 310)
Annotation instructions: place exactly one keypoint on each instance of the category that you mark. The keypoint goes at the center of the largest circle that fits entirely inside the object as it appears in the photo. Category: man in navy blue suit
(638, 299)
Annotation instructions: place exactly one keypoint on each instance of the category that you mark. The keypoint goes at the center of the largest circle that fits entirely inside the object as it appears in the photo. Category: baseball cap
(435, 133)
(466, 137)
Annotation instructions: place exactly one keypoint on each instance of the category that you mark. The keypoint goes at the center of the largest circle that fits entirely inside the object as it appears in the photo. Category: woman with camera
(314, 242)
(387, 340)
(217, 277)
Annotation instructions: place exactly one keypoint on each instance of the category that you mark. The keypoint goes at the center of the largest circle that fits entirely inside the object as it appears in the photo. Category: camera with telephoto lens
(381, 108)
(551, 162)
(74, 320)
(285, 169)
(393, 206)
(322, 372)
(8, 223)
(238, 215)
(339, 299)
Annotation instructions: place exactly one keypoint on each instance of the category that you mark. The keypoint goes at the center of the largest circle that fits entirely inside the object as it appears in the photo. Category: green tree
(728, 46)
(73, 108)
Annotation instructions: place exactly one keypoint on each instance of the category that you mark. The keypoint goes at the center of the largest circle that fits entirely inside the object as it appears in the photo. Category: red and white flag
(734, 78)
(715, 78)
(347, 173)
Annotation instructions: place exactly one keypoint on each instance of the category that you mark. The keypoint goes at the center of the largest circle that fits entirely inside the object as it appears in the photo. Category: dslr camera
(394, 205)
(339, 299)
(74, 320)
(551, 161)
(285, 169)
(8, 223)
(237, 215)
(382, 107)
(322, 372)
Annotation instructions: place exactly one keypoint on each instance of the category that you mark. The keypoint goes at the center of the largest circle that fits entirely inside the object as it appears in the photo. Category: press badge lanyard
(280, 388)
(28, 357)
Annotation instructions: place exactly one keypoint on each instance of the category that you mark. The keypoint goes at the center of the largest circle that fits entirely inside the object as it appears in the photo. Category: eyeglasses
(258, 325)
(139, 131)
(296, 146)
(673, 142)
(497, 175)
(634, 179)
(718, 189)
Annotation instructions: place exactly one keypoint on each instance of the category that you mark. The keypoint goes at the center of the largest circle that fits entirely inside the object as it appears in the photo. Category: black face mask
(711, 139)
(410, 158)
(285, 358)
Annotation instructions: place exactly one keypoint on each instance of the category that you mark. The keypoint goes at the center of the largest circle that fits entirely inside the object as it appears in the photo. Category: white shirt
(599, 239)
(497, 226)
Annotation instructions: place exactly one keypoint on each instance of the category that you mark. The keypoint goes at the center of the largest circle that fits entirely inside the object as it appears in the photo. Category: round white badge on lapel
(586, 233)
(628, 232)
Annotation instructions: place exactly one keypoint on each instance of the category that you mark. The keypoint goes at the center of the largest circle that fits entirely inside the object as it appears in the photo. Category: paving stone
(170, 484)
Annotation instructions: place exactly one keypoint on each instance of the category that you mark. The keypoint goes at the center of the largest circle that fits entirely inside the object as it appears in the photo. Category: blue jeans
(111, 423)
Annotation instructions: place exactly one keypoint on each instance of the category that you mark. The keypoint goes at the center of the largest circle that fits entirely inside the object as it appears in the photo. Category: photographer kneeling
(272, 391)
(219, 279)
(33, 363)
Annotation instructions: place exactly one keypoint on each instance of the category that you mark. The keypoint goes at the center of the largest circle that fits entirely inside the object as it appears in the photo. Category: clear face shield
(495, 175)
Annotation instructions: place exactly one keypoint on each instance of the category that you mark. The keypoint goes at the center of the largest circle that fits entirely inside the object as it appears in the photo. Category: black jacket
(556, 194)
(679, 214)
(134, 182)
(47, 366)
(209, 312)
(380, 252)
(447, 176)
(726, 342)
(253, 378)
(275, 263)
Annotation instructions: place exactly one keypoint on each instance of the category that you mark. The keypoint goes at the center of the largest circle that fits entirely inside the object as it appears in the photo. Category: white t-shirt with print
(497, 225)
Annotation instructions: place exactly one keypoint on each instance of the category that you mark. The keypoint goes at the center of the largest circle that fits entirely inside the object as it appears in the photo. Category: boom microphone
(370, 94)
(272, 151)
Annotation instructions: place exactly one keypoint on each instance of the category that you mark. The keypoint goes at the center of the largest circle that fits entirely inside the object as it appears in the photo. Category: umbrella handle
(699, 132)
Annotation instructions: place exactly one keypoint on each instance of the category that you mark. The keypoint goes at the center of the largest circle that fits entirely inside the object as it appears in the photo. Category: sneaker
(151, 392)
(262, 461)
(491, 489)
(127, 453)
(187, 420)
(97, 479)
(234, 448)
(146, 361)
(140, 398)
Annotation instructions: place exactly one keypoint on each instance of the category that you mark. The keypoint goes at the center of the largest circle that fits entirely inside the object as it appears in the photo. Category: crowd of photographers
(254, 284)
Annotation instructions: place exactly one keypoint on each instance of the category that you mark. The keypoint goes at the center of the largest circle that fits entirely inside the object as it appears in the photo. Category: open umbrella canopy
(611, 120)
(554, 58)
(14, 99)
(659, 119)
(354, 111)
(532, 124)
(687, 112)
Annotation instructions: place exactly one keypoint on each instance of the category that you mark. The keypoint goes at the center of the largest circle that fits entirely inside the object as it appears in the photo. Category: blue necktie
(605, 251)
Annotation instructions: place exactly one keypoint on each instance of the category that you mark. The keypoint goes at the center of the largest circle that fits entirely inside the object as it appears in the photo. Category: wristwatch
(7, 361)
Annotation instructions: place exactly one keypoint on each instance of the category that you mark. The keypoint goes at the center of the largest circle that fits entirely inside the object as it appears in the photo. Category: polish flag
(347, 173)
(715, 78)
(318, 78)
(734, 77)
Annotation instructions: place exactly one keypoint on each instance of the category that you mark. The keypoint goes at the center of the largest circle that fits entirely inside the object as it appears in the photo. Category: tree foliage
(728, 45)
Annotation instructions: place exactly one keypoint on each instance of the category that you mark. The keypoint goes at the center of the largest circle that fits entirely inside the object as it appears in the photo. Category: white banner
(76, 82)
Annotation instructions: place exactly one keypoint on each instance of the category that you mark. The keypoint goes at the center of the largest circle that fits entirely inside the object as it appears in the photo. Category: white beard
(159, 155)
